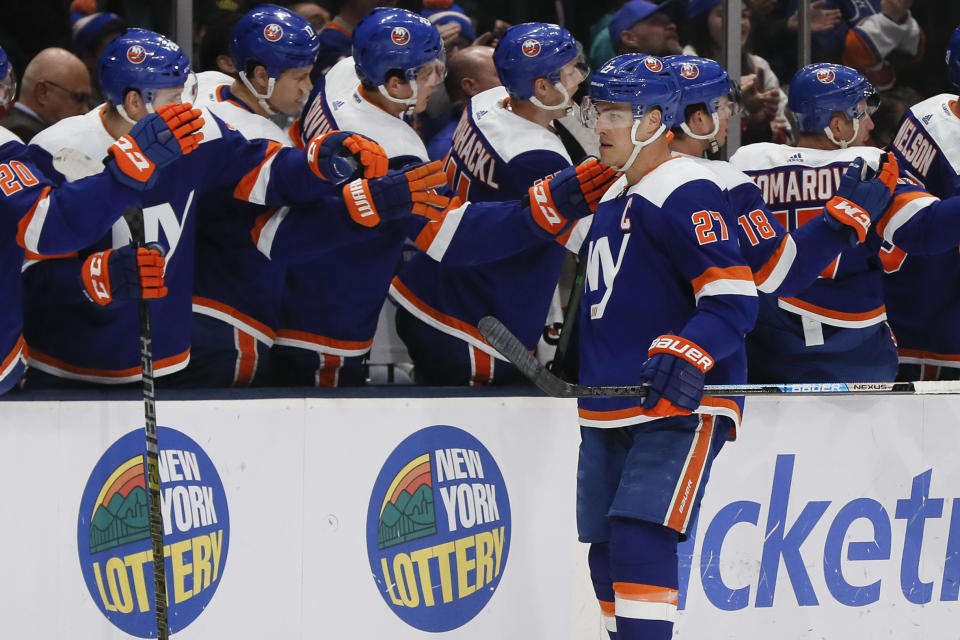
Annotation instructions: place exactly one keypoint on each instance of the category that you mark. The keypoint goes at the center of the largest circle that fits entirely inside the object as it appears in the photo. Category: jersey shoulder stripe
(935, 116)
(509, 134)
(764, 156)
(677, 173)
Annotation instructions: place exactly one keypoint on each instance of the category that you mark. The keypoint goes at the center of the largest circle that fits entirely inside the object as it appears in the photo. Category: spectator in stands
(763, 99)
(889, 114)
(776, 22)
(873, 37)
(56, 85)
(455, 26)
(642, 26)
(315, 13)
(469, 72)
(91, 35)
(336, 38)
(215, 44)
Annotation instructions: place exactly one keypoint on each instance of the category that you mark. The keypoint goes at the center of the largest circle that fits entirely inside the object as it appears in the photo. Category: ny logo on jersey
(156, 218)
(600, 264)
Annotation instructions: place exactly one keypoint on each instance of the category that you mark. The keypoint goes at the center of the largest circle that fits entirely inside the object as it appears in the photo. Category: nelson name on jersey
(915, 147)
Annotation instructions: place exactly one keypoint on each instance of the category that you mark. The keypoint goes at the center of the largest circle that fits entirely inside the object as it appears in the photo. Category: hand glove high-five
(126, 273)
(154, 142)
(397, 195)
(860, 200)
(339, 156)
(571, 194)
(674, 373)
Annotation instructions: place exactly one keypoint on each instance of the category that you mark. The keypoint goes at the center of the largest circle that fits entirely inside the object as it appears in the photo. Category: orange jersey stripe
(857, 53)
(18, 348)
(246, 358)
(324, 341)
(247, 182)
(899, 202)
(645, 592)
(837, 315)
(690, 483)
(608, 608)
(233, 313)
(761, 276)
(433, 313)
(25, 220)
(259, 223)
(713, 274)
(107, 373)
(329, 371)
(927, 355)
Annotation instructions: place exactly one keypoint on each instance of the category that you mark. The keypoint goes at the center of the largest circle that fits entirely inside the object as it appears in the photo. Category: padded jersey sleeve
(920, 223)
(57, 217)
(694, 234)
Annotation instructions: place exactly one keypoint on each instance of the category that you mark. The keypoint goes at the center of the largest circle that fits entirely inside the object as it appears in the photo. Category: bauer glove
(571, 194)
(126, 273)
(674, 375)
(339, 156)
(154, 142)
(397, 195)
(861, 200)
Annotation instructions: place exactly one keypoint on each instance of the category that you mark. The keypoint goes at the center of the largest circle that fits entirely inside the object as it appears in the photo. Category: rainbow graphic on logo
(121, 513)
(407, 512)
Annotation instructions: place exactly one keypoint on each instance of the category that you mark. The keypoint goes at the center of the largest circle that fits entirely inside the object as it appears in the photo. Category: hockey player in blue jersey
(40, 218)
(783, 264)
(141, 71)
(835, 330)
(329, 322)
(503, 144)
(237, 290)
(667, 301)
(923, 302)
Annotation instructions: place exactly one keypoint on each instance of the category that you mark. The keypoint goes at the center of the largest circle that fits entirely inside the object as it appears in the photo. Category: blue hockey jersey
(662, 260)
(496, 156)
(38, 218)
(72, 338)
(922, 300)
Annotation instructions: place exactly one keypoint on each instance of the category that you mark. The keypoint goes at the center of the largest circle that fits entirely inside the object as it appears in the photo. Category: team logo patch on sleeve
(438, 528)
(654, 64)
(273, 32)
(136, 54)
(113, 532)
(400, 36)
(530, 48)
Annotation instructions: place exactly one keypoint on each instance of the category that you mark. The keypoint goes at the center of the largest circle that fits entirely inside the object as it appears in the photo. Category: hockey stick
(513, 350)
(134, 218)
(569, 318)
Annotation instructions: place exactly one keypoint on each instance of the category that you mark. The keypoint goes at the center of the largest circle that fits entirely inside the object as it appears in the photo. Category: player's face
(291, 90)
(863, 131)
(613, 127)
(170, 95)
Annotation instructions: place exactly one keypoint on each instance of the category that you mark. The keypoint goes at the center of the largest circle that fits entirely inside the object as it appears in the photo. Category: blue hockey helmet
(820, 90)
(539, 50)
(276, 39)
(953, 58)
(8, 81)
(143, 61)
(389, 39)
(704, 81)
(641, 81)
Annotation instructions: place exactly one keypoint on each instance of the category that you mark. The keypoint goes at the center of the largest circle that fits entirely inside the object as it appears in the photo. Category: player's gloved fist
(126, 273)
(860, 200)
(570, 194)
(154, 142)
(674, 376)
(338, 156)
(397, 195)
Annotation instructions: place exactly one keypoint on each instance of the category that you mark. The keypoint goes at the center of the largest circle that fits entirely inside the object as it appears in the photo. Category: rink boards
(408, 517)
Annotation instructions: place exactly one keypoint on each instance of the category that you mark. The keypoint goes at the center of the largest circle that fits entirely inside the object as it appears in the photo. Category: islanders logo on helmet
(273, 32)
(531, 48)
(689, 70)
(654, 64)
(438, 528)
(400, 36)
(136, 54)
(826, 76)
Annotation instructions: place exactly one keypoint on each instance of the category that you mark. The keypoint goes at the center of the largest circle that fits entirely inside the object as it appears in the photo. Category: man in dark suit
(56, 85)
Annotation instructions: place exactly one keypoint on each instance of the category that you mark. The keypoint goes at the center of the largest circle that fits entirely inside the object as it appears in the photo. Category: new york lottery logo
(438, 528)
(113, 534)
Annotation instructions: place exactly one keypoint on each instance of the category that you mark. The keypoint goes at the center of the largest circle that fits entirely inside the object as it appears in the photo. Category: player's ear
(540, 88)
(393, 85)
(133, 103)
(837, 121)
(225, 64)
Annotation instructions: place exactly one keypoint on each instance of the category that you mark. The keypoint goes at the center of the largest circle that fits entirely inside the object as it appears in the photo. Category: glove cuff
(683, 349)
(96, 277)
(848, 213)
(544, 210)
(360, 204)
